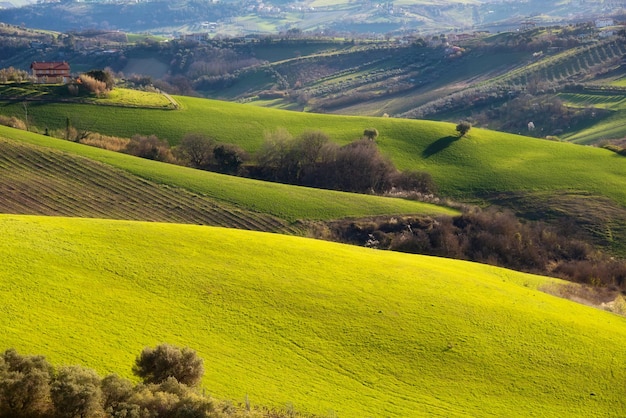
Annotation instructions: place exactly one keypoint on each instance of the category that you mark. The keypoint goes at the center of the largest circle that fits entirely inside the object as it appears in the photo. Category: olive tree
(156, 365)
(24, 385)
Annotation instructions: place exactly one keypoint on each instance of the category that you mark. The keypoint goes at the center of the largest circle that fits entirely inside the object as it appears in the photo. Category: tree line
(30, 387)
(310, 159)
(491, 237)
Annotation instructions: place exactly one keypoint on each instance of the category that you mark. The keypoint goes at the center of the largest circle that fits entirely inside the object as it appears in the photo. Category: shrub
(24, 385)
(228, 158)
(150, 147)
(156, 365)
(103, 76)
(12, 122)
(196, 150)
(76, 393)
(91, 85)
(370, 133)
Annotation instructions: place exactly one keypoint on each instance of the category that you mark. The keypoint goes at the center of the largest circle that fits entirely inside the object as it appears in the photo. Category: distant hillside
(337, 16)
(500, 81)
(308, 325)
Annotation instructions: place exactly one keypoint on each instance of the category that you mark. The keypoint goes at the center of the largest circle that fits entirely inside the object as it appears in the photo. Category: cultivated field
(311, 325)
(233, 194)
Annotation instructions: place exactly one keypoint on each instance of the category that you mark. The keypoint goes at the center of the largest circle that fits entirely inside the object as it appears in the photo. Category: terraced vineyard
(38, 182)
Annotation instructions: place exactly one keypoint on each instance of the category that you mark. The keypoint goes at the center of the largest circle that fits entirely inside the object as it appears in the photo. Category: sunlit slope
(289, 203)
(321, 326)
(483, 162)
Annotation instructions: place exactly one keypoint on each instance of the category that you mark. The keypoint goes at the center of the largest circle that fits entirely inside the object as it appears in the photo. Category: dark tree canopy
(156, 365)
(370, 133)
(463, 127)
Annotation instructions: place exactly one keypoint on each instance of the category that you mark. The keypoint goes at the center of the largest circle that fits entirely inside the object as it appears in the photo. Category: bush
(103, 76)
(12, 122)
(76, 393)
(91, 85)
(371, 134)
(228, 158)
(156, 365)
(24, 385)
(196, 150)
(150, 147)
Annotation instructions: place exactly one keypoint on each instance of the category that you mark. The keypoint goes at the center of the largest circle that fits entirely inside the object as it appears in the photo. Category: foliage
(103, 76)
(312, 160)
(262, 203)
(13, 75)
(30, 388)
(24, 385)
(157, 365)
(76, 393)
(492, 237)
(463, 127)
(371, 133)
(228, 158)
(196, 149)
(92, 85)
(149, 147)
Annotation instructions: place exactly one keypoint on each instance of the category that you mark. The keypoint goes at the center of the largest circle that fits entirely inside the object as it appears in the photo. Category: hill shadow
(439, 145)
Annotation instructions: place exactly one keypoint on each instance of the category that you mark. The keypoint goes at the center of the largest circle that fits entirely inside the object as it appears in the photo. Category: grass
(291, 321)
(136, 98)
(484, 161)
(42, 181)
(290, 203)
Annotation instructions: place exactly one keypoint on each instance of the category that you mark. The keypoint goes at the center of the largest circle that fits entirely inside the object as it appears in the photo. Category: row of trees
(310, 159)
(31, 387)
(491, 237)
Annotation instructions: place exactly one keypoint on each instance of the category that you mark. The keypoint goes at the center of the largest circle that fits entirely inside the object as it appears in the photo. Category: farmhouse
(51, 72)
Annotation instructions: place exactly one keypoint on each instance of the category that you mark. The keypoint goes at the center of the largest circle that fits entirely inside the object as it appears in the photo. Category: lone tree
(370, 133)
(156, 365)
(463, 127)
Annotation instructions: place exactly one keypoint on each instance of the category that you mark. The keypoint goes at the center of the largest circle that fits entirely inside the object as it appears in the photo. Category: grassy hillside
(40, 173)
(42, 181)
(291, 321)
(483, 162)
(484, 166)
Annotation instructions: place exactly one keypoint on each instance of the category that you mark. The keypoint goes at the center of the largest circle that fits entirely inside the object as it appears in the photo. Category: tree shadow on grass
(439, 145)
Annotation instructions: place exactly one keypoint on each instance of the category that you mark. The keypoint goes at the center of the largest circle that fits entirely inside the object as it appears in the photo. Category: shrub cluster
(30, 387)
(312, 160)
(92, 85)
(12, 122)
(150, 147)
(491, 237)
(13, 75)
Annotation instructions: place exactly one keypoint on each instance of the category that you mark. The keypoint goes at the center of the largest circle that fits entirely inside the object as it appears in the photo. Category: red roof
(50, 66)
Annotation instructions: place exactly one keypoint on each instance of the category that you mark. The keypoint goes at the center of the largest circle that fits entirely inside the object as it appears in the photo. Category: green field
(612, 127)
(325, 328)
(483, 162)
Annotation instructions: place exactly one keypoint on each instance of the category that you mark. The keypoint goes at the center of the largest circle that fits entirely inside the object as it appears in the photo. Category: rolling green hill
(321, 327)
(43, 175)
(484, 166)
